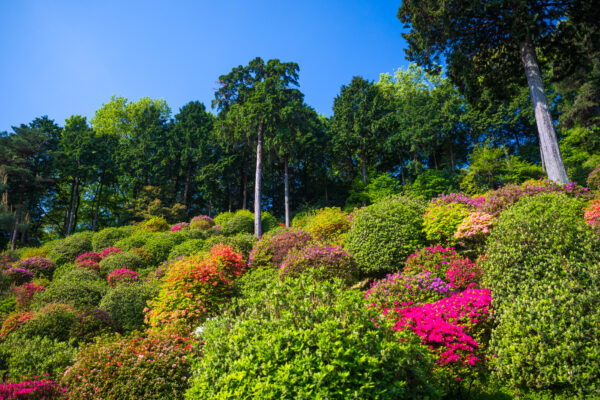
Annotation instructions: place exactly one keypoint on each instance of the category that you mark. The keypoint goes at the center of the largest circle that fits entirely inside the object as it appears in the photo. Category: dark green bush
(241, 243)
(66, 250)
(125, 304)
(54, 321)
(138, 239)
(22, 357)
(159, 245)
(186, 248)
(301, 340)
(242, 221)
(107, 237)
(384, 234)
(267, 221)
(126, 259)
(90, 324)
(80, 288)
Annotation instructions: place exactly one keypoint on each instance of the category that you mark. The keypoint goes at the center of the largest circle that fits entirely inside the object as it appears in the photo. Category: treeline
(410, 131)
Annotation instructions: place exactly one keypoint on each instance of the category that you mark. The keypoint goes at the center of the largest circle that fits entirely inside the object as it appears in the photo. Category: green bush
(441, 221)
(160, 245)
(223, 218)
(303, 340)
(66, 250)
(329, 225)
(21, 357)
(80, 288)
(384, 234)
(126, 259)
(242, 221)
(125, 304)
(137, 240)
(186, 248)
(54, 321)
(267, 221)
(90, 324)
(107, 237)
(241, 243)
(302, 219)
(155, 224)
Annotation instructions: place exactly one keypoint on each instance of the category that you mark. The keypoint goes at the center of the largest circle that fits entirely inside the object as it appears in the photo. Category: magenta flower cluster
(474, 203)
(179, 226)
(24, 294)
(37, 265)
(19, 275)
(122, 275)
(109, 251)
(31, 389)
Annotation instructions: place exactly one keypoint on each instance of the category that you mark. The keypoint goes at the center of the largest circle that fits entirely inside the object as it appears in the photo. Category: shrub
(473, 203)
(186, 248)
(155, 224)
(54, 321)
(475, 227)
(24, 295)
(7, 306)
(180, 227)
(301, 339)
(18, 276)
(242, 221)
(137, 369)
(241, 242)
(400, 289)
(329, 225)
(126, 303)
(592, 214)
(80, 288)
(324, 262)
(14, 321)
(90, 324)
(203, 222)
(159, 246)
(137, 240)
(89, 256)
(593, 179)
(268, 222)
(109, 251)
(302, 219)
(32, 389)
(66, 250)
(39, 266)
(21, 357)
(125, 259)
(144, 255)
(107, 237)
(193, 288)
(271, 249)
(440, 222)
(123, 275)
(384, 234)
(29, 252)
(223, 218)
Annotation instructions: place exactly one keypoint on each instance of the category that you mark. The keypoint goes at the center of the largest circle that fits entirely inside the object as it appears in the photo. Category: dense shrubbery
(90, 324)
(440, 222)
(66, 250)
(323, 263)
(299, 339)
(79, 288)
(271, 249)
(242, 221)
(592, 214)
(155, 224)
(136, 368)
(127, 259)
(384, 234)
(160, 245)
(24, 295)
(54, 321)
(329, 225)
(126, 303)
(39, 266)
(30, 389)
(186, 248)
(242, 242)
(107, 237)
(121, 276)
(138, 240)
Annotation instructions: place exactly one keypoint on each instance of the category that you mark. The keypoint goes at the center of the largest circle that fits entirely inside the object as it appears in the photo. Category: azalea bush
(159, 246)
(14, 321)
(203, 222)
(155, 224)
(66, 250)
(32, 389)
(323, 262)
(107, 237)
(89, 260)
(39, 266)
(132, 367)
(90, 324)
(79, 288)
(329, 225)
(125, 304)
(440, 222)
(54, 321)
(181, 226)
(475, 227)
(18, 276)
(121, 276)
(241, 243)
(592, 214)
(473, 203)
(109, 251)
(271, 249)
(194, 288)
(400, 289)
(24, 294)
(118, 260)
(593, 179)
(242, 221)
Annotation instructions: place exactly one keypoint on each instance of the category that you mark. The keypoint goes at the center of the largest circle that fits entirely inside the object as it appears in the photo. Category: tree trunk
(15, 232)
(72, 206)
(286, 185)
(363, 165)
(555, 167)
(77, 209)
(258, 182)
(5, 193)
(97, 207)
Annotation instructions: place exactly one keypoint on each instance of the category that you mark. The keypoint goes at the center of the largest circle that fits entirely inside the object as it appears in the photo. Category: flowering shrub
(241, 243)
(123, 275)
(593, 179)
(194, 287)
(455, 327)
(109, 251)
(180, 226)
(126, 303)
(270, 250)
(329, 225)
(126, 259)
(475, 227)
(32, 389)
(39, 266)
(136, 368)
(474, 203)
(203, 222)
(54, 321)
(24, 294)
(592, 213)
(324, 263)
(155, 224)
(440, 222)
(90, 324)
(13, 321)
(91, 256)
(399, 288)
(19, 275)
(463, 274)
(107, 237)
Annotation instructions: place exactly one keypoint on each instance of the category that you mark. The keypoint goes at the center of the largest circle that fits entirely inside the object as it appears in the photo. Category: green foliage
(125, 304)
(186, 248)
(268, 221)
(107, 237)
(302, 219)
(320, 263)
(54, 321)
(159, 245)
(441, 221)
(222, 218)
(136, 240)
(329, 225)
(580, 149)
(125, 259)
(272, 247)
(301, 339)
(67, 249)
(384, 234)
(80, 288)
(23, 357)
(593, 180)
(432, 183)
(242, 221)
(90, 324)
(155, 224)
(378, 188)
(241, 242)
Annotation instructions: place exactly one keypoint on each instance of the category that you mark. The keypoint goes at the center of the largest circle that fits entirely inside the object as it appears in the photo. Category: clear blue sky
(62, 57)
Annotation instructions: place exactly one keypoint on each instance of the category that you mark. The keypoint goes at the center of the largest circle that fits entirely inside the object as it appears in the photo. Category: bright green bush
(66, 250)
(241, 242)
(126, 259)
(242, 221)
(223, 218)
(125, 304)
(329, 225)
(186, 248)
(22, 357)
(267, 221)
(138, 240)
(384, 234)
(160, 245)
(304, 340)
(107, 237)
(441, 221)
(80, 288)
(54, 321)
(155, 224)
(302, 219)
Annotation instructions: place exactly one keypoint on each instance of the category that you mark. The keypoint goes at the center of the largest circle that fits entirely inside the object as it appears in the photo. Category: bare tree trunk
(258, 182)
(286, 185)
(5, 193)
(15, 232)
(555, 167)
(75, 194)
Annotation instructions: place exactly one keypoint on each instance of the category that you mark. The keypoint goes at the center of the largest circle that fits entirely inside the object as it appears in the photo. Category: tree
(485, 45)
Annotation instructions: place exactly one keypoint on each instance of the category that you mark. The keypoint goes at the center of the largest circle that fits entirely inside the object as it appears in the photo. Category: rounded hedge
(126, 259)
(54, 321)
(322, 262)
(186, 248)
(126, 303)
(160, 245)
(138, 240)
(242, 221)
(441, 221)
(272, 248)
(66, 250)
(80, 288)
(90, 324)
(384, 234)
(329, 225)
(300, 339)
(241, 242)
(107, 237)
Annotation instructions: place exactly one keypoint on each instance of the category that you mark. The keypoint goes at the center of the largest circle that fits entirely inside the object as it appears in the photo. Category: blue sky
(68, 57)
